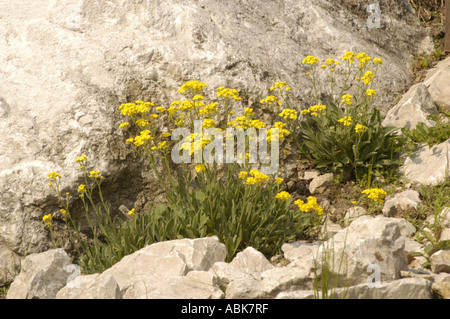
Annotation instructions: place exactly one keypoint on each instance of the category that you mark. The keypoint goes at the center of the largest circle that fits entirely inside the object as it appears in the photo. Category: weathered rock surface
(427, 166)
(95, 286)
(440, 261)
(405, 200)
(66, 65)
(437, 80)
(413, 107)
(41, 276)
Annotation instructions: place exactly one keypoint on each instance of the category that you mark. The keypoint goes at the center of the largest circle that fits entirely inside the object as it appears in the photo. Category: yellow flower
(311, 205)
(82, 189)
(243, 175)
(165, 134)
(160, 109)
(195, 86)
(208, 123)
(310, 60)
(226, 93)
(50, 184)
(280, 85)
(348, 56)
(376, 194)
(371, 92)
(288, 114)
(54, 175)
(258, 176)
(347, 120)
(248, 112)
(47, 219)
(378, 61)
(129, 140)
(283, 195)
(124, 124)
(354, 202)
(63, 211)
(257, 124)
(142, 122)
(359, 128)
(251, 181)
(200, 167)
(131, 212)
(368, 77)
(279, 180)
(347, 99)
(94, 174)
(270, 99)
(198, 97)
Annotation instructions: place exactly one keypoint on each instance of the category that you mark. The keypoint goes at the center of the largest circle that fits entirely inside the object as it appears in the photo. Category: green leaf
(428, 249)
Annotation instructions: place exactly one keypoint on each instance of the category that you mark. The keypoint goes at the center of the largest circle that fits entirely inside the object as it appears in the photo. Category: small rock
(251, 259)
(308, 175)
(402, 201)
(441, 289)
(440, 261)
(319, 183)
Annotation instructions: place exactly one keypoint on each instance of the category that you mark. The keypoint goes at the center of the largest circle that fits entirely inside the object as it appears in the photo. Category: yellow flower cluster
(288, 114)
(283, 195)
(82, 189)
(314, 110)
(54, 175)
(348, 56)
(280, 86)
(346, 120)
(367, 77)
(347, 99)
(94, 174)
(47, 220)
(270, 99)
(200, 167)
(311, 205)
(257, 124)
(209, 109)
(310, 60)
(371, 92)
(377, 194)
(359, 128)
(195, 143)
(363, 59)
(195, 86)
(208, 123)
(282, 132)
(131, 212)
(256, 177)
(143, 136)
(226, 93)
(161, 146)
(131, 109)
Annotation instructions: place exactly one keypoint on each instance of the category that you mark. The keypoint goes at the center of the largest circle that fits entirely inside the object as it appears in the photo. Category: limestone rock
(427, 165)
(440, 261)
(353, 213)
(405, 200)
(437, 80)
(414, 107)
(441, 289)
(9, 265)
(368, 241)
(168, 259)
(251, 259)
(95, 286)
(319, 183)
(42, 275)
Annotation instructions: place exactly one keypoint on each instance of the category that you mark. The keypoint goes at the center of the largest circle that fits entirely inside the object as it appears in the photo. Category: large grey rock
(251, 259)
(427, 165)
(163, 260)
(95, 286)
(367, 243)
(42, 275)
(66, 65)
(414, 107)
